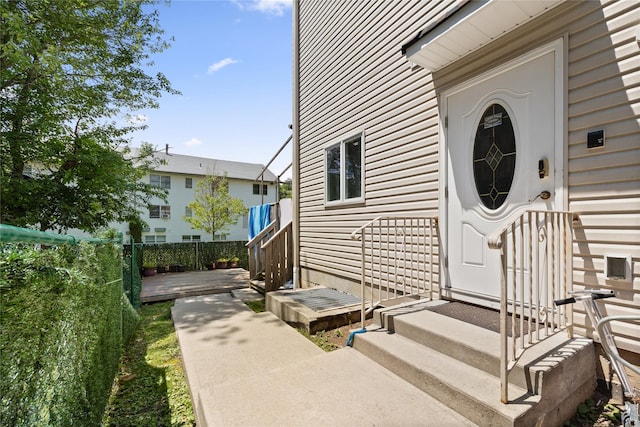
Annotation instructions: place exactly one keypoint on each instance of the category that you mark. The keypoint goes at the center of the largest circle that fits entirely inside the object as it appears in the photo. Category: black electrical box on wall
(595, 138)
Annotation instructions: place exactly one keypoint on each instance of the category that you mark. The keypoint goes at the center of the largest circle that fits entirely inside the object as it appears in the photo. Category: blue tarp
(259, 218)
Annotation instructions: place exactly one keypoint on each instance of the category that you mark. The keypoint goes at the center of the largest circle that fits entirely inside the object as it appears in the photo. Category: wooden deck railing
(256, 253)
(536, 249)
(278, 258)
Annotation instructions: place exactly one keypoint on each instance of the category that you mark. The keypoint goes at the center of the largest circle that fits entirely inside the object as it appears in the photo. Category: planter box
(177, 268)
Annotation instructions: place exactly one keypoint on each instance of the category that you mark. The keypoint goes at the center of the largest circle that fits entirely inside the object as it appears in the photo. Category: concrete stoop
(286, 305)
(458, 364)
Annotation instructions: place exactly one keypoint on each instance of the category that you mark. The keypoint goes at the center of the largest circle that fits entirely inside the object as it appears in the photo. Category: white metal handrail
(399, 258)
(536, 252)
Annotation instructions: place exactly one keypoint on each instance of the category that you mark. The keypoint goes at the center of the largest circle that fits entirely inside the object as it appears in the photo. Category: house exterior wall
(354, 78)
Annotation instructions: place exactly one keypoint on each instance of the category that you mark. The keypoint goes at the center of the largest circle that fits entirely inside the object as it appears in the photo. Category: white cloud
(272, 7)
(221, 64)
(192, 142)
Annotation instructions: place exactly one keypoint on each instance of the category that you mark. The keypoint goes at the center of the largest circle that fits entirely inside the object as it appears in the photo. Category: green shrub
(130, 320)
(61, 333)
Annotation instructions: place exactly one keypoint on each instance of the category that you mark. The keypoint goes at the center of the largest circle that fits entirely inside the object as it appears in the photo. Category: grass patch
(321, 339)
(151, 388)
(257, 306)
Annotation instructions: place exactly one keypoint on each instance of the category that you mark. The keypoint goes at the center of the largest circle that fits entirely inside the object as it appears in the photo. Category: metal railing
(278, 258)
(536, 251)
(399, 258)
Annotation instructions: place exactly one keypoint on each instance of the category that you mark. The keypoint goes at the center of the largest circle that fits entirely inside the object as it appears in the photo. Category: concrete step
(459, 362)
(471, 392)
(472, 344)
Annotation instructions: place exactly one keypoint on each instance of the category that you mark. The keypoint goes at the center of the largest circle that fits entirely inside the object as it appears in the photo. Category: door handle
(544, 195)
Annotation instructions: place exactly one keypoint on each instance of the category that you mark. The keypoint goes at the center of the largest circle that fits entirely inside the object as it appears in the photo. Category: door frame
(559, 48)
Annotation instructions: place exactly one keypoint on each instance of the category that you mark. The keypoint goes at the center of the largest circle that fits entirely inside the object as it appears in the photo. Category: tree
(213, 208)
(70, 70)
(286, 189)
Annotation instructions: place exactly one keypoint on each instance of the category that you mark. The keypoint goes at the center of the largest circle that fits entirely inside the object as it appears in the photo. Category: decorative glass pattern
(494, 156)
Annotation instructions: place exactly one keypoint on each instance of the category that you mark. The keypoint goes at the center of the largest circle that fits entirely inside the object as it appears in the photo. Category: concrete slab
(297, 308)
(221, 339)
(253, 369)
(247, 295)
(340, 388)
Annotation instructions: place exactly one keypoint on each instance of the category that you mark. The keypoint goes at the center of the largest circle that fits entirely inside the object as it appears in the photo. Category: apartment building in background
(179, 175)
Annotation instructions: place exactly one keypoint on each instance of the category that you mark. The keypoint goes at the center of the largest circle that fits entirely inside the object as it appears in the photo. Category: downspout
(295, 172)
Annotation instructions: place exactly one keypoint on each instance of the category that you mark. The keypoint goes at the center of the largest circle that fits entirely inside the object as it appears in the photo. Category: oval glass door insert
(494, 156)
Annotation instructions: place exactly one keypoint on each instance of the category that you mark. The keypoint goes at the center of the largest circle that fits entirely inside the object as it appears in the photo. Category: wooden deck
(169, 286)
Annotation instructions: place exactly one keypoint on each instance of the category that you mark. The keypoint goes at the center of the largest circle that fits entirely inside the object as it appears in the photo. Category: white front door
(503, 145)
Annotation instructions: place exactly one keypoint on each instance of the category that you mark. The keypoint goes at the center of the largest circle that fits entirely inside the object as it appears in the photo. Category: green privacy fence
(191, 255)
(64, 321)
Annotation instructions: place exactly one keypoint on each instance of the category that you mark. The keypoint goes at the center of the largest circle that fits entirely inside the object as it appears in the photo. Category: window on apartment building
(256, 189)
(186, 238)
(162, 181)
(149, 239)
(160, 238)
(195, 238)
(188, 212)
(188, 183)
(220, 236)
(157, 211)
(191, 238)
(343, 171)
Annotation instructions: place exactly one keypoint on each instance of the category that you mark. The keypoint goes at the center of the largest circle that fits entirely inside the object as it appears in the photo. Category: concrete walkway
(248, 369)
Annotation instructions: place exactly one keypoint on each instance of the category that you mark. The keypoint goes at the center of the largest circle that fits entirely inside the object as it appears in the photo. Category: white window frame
(161, 181)
(342, 141)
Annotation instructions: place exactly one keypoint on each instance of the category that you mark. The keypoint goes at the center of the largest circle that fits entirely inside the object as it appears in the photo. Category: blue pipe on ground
(352, 334)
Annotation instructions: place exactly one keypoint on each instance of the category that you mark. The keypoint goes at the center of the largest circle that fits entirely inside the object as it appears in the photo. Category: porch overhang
(468, 26)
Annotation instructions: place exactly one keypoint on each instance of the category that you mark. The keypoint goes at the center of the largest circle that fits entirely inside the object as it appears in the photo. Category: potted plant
(222, 262)
(148, 270)
(233, 262)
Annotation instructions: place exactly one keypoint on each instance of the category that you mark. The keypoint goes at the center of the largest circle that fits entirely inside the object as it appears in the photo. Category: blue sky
(231, 60)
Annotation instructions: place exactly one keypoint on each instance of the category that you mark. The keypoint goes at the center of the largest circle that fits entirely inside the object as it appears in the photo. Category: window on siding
(344, 171)
(162, 181)
(196, 238)
(256, 189)
(188, 183)
(161, 239)
(157, 211)
(186, 238)
(165, 212)
(188, 212)
(149, 239)
(220, 237)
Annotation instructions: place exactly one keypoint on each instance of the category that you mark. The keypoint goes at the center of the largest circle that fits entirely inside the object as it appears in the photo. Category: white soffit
(472, 26)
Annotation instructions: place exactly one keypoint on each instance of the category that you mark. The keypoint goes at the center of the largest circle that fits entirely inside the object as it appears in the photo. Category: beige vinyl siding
(604, 183)
(353, 77)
